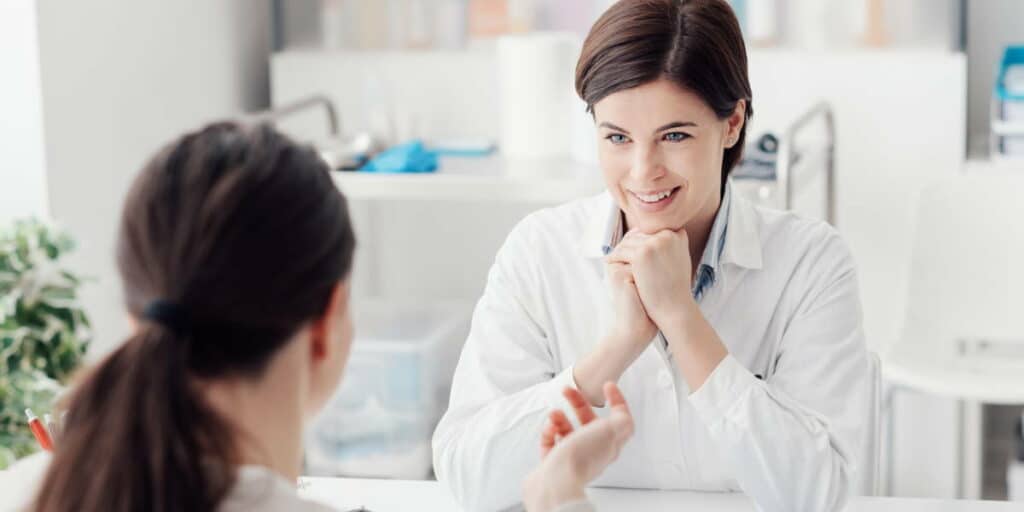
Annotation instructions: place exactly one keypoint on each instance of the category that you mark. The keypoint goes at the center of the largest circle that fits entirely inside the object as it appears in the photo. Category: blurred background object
(44, 331)
(396, 387)
(426, 24)
(1008, 106)
(536, 70)
(1015, 473)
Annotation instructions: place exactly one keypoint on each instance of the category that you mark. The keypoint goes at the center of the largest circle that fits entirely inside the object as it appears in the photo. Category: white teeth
(653, 198)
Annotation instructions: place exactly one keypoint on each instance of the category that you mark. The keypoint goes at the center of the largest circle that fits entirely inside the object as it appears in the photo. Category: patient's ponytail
(139, 437)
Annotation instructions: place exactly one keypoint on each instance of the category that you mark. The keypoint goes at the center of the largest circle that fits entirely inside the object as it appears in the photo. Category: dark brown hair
(697, 44)
(231, 239)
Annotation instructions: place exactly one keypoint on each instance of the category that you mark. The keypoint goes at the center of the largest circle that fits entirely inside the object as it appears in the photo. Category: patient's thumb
(622, 425)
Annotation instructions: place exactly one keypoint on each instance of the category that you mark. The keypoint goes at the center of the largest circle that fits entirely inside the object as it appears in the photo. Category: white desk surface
(947, 378)
(402, 495)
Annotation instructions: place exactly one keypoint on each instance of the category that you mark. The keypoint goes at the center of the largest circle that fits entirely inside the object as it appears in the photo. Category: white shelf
(479, 179)
(995, 163)
(1000, 127)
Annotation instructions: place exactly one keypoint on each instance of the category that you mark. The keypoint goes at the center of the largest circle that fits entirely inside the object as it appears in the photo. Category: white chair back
(967, 277)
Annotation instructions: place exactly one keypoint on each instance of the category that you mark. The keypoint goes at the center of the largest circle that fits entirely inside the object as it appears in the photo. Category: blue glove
(408, 157)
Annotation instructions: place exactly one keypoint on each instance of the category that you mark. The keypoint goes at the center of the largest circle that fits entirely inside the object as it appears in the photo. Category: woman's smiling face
(660, 147)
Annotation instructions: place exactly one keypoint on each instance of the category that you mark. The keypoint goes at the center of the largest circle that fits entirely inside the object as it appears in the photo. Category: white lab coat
(786, 305)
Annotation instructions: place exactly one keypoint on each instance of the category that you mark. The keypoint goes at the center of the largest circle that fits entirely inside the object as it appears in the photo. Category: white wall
(120, 78)
(22, 155)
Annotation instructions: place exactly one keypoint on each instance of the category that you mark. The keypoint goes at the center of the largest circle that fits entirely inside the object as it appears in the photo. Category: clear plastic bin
(394, 390)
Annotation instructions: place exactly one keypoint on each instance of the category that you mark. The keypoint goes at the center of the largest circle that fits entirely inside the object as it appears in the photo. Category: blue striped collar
(708, 270)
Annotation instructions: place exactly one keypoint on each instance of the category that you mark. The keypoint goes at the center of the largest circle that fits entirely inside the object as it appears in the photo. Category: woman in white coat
(734, 331)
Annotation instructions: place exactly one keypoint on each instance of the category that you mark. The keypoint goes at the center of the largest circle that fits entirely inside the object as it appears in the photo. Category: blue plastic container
(1008, 105)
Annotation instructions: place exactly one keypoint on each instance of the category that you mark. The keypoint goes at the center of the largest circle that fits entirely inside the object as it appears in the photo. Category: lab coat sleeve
(505, 384)
(792, 441)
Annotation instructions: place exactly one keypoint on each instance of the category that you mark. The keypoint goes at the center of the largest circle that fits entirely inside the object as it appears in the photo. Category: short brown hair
(697, 44)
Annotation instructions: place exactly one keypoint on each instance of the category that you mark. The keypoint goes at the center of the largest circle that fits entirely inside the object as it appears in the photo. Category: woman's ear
(329, 345)
(734, 124)
(333, 315)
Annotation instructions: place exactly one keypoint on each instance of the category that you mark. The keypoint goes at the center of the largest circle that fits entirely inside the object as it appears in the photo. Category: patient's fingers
(579, 405)
(547, 439)
(613, 396)
(621, 416)
(557, 427)
(562, 425)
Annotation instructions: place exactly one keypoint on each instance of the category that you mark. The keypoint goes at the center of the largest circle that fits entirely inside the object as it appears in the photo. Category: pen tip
(28, 412)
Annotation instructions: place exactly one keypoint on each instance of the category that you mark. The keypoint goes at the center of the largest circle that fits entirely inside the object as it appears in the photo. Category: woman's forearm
(606, 363)
(695, 345)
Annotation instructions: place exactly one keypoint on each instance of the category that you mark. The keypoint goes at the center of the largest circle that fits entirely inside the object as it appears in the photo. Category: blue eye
(676, 136)
(617, 138)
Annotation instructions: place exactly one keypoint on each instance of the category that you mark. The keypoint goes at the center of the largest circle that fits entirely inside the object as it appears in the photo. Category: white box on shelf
(1012, 145)
(1007, 112)
(1012, 111)
(1007, 138)
(395, 388)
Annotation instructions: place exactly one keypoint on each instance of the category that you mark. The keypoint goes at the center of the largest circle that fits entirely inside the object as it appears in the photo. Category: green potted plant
(43, 330)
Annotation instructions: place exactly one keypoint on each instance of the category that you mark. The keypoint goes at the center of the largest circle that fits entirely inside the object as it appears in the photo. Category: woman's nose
(647, 165)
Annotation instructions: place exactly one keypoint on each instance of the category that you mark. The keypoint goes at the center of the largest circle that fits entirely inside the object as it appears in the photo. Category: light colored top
(410, 495)
(577, 506)
(780, 418)
(258, 489)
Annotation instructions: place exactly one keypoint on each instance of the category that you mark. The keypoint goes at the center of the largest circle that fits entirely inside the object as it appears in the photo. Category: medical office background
(864, 108)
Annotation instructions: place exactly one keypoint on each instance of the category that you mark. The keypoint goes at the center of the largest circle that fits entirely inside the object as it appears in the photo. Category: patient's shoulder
(19, 483)
(259, 489)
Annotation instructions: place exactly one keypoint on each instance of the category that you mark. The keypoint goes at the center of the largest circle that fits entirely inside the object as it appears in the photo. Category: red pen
(39, 430)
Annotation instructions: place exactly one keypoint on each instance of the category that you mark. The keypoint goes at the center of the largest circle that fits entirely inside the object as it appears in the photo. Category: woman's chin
(652, 217)
(651, 224)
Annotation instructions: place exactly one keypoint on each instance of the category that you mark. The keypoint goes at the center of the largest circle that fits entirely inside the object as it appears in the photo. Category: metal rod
(276, 114)
(788, 157)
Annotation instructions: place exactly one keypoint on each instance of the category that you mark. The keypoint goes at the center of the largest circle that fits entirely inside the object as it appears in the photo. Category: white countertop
(401, 495)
